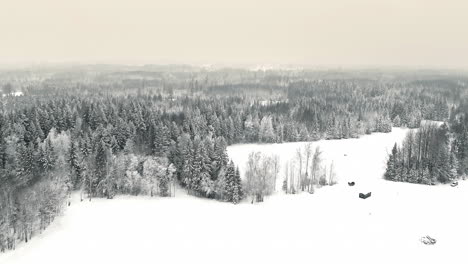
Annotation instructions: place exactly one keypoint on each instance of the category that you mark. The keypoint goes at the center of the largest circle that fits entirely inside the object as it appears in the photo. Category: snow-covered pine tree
(47, 156)
(386, 124)
(238, 192)
(196, 167)
(230, 182)
(391, 171)
(102, 159)
(219, 157)
(453, 167)
(233, 185)
(74, 161)
(206, 184)
(396, 121)
(426, 177)
(413, 175)
(332, 127)
(443, 166)
(183, 159)
(25, 171)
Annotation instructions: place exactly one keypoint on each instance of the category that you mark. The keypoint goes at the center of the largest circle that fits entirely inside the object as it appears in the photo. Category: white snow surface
(331, 226)
(361, 160)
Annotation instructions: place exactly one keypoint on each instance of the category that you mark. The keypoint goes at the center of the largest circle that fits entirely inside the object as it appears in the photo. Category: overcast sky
(422, 33)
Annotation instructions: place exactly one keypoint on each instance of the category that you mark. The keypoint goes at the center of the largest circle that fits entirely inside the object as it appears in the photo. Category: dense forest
(105, 131)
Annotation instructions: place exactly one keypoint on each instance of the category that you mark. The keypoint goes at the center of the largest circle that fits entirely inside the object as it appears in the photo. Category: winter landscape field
(208, 131)
(330, 226)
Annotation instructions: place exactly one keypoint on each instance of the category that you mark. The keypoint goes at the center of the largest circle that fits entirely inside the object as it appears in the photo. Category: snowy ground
(331, 226)
(362, 160)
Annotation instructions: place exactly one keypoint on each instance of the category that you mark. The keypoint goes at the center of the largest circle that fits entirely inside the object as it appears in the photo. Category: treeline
(298, 107)
(426, 157)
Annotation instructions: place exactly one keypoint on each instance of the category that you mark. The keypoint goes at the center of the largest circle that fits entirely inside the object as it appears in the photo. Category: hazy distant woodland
(101, 99)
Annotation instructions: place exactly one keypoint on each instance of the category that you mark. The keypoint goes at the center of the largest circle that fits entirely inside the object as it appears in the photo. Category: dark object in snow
(454, 184)
(346, 155)
(351, 183)
(427, 240)
(364, 196)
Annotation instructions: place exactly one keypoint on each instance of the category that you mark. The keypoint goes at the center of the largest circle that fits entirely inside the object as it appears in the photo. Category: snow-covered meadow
(361, 159)
(331, 226)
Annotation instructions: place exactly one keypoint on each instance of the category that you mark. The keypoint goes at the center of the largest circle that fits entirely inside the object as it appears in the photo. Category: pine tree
(219, 157)
(442, 165)
(25, 171)
(237, 191)
(74, 163)
(453, 167)
(413, 176)
(332, 132)
(196, 167)
(102, 160)
(391, 171)
(397, 121)
(426, 176)
(47, 156)
(184, 158)
(231, 191)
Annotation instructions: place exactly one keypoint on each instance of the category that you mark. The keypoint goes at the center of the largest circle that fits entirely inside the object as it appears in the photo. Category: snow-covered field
(331, 226)
(362, 160)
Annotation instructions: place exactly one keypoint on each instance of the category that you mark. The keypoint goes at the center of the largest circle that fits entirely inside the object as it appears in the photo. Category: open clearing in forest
(331, 226)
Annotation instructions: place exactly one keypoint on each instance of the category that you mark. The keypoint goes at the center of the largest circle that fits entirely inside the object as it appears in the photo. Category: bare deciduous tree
(300, 157)
(308, 153)
(315, 166)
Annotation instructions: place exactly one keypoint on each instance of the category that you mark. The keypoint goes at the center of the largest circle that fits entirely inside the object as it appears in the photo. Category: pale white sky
(427, 33)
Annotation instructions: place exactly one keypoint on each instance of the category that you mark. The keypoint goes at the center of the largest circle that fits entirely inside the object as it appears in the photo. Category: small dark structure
(427, 240)
(364, 196)
(453, 184)
(351, 183)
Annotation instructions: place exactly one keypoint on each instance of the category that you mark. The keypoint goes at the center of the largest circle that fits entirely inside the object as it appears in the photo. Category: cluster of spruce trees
(459, 130)
(426, 156)
(203, 168)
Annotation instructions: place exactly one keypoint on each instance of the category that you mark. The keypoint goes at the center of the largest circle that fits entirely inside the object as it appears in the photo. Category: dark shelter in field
(364, 196)
(351, 183)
